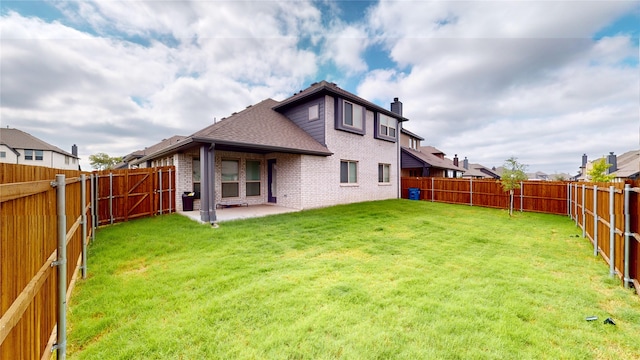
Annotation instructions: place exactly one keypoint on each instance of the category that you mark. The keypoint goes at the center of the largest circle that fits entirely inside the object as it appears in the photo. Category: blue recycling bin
(414, 194)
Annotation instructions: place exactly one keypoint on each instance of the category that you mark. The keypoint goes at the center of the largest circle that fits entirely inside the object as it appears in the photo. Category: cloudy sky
(544, 81)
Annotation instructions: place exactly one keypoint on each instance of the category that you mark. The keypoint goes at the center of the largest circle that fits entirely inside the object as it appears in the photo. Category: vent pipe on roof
(613, 161)
(455, 160)
(74, 150)
(396, 107)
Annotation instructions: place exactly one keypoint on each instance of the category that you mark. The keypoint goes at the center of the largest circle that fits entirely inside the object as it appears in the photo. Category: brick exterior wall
(320, 176)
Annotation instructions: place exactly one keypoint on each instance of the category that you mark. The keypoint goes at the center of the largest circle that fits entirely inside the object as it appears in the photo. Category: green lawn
(392, 279)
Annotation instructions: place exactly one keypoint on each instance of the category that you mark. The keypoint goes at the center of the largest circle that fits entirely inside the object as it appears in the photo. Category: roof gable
(326, 88)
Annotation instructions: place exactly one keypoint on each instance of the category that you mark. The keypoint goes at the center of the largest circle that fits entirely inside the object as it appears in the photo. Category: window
(230, 177)
(3, 154)
(28, 154)
(253, 177)
(195, 176)
(386, 126)
(352, 115)
(384, 171)
(313, 112)
(348, 172)
(66, 159)
(39, 155)
(413, 143)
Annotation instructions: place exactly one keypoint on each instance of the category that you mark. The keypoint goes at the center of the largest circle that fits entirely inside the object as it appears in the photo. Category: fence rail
(47, 218)
(607, 213)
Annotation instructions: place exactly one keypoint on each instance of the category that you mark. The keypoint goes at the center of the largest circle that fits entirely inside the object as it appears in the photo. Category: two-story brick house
(322, 146)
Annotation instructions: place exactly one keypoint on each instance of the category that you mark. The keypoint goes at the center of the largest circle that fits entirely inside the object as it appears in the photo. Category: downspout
(399, 165)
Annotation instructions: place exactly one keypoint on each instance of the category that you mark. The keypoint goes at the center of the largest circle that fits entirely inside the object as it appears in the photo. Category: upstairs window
(352, 115)
(39, 155)
(3, 154)
(386, 127)
(349, 117)
(28, 154)
(313, 112)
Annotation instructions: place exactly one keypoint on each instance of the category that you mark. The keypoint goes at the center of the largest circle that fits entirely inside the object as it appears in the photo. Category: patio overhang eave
(227, 145)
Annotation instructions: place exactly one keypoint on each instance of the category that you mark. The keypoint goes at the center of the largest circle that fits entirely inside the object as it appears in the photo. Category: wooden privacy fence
(47, 217)
(44, 228)
(608, 214)
(133, 193)
(537, 196)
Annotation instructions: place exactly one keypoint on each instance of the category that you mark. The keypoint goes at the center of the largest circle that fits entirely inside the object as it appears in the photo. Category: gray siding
(300, 116)
(407, 161)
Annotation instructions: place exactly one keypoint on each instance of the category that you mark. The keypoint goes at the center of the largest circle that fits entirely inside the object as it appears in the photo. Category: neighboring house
(418, 161)
(477, 171)
(538, 176)
(320, 147)
(623, 167)
(131, 161)
(19, 147)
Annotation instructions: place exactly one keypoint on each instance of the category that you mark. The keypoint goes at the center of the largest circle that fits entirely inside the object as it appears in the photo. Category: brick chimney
(455, 160)
(396, 106)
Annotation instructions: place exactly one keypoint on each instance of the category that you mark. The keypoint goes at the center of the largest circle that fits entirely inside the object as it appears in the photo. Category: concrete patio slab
(241, 212)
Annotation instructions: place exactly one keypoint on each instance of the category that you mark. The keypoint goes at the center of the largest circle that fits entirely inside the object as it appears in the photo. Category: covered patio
(240, 212)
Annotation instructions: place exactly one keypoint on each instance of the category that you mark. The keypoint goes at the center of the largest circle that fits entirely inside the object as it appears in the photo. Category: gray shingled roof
(18, 139)
(477, 170)
(432, 159)
(261, 127)
(405, 131)
(628, 164)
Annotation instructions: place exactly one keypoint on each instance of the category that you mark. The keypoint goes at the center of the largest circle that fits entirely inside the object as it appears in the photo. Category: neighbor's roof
(405, 131)
(324, 87)
(18, 139)
(628, 164)
(432, 160)
(477, 170)
(431, 150)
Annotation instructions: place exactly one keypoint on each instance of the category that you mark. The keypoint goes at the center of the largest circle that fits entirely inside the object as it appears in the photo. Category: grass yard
(394, 279)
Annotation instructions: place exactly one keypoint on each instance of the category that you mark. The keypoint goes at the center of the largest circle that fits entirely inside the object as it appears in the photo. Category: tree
(513, 174)
(102, 161)
(598, 172)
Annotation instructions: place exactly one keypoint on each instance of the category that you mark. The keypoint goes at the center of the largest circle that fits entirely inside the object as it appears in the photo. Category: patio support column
(204, 183)
(212, 184)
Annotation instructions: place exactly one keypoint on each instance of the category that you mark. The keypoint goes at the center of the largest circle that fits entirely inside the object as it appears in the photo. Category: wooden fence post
(612, 232)
(61, 263)
(595, 220)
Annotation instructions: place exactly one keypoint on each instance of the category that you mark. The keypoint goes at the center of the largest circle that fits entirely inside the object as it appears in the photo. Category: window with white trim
(28, 154)
(384, 173)
(229, 178)
(39, 155)
(3, 154)
(348, 172)
(252, 175)
(352, 115)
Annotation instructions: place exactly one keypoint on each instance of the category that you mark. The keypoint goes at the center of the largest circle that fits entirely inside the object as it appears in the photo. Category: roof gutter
(269, 148)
